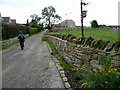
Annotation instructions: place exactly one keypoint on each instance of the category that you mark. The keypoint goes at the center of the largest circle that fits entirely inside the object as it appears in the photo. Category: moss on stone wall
(78, 51)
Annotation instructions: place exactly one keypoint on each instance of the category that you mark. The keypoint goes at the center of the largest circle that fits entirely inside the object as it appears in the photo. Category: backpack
(21, 36)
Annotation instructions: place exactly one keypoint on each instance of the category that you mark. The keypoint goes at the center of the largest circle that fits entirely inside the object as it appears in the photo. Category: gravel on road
(32, 67)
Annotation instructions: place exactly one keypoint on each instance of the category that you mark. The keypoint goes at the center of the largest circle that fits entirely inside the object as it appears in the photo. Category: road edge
(60, 70)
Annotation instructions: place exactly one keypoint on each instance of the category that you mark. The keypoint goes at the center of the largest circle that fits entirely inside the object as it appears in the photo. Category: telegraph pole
(83, 15)
(82, 19)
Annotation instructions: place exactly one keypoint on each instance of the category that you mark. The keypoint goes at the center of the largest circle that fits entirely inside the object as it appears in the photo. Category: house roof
(6, 19)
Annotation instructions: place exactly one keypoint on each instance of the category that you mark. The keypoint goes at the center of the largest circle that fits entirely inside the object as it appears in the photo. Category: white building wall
(68, 23)
(0, 25)
(119, 13)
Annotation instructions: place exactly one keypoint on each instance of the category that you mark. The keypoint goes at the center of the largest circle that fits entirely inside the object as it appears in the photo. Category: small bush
(12, 30)
(32, 31)
(94, 24)
(40, 28)
(44, 38)
(106, 76)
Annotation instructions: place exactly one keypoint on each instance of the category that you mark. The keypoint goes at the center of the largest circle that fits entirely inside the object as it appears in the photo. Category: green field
(105, 34)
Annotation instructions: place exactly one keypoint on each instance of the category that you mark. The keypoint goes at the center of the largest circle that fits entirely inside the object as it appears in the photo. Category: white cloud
(104, 11)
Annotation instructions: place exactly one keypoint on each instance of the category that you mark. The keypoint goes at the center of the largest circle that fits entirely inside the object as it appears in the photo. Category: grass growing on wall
(63, 63)
(51, 45)
(105, 34)
(105, 76)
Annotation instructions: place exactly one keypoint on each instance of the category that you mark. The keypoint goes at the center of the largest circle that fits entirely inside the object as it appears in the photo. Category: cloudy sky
(104, 11)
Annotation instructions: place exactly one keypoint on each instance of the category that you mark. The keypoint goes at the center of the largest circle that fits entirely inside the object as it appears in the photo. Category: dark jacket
(21, 37)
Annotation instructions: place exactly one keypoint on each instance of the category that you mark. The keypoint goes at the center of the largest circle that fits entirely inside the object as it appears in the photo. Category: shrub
(39, 27)
(12, 30)
(94, 24)
(32, 31)
(106, 76)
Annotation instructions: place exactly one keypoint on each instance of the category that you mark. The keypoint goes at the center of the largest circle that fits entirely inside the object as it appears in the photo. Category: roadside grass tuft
(4, 47)
(8, 45)
(54, 50)
(63, 63)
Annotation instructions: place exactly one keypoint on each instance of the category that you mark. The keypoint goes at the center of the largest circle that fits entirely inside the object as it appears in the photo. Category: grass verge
(63, 63)
(8, 45)
(51, 45)
(105, 34)
(4, 47)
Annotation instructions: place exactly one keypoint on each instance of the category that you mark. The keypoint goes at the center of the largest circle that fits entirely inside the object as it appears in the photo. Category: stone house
(0, 19)
(0, 26)
(8, 20)
(68, 23)
(13, 20)
(64, 24)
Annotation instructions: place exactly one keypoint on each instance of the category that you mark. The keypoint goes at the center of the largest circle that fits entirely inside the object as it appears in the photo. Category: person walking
(21, 38)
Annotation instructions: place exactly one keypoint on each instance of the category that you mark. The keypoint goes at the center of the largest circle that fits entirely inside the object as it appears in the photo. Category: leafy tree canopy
(35, 19)
(50, 16)
(94, 24)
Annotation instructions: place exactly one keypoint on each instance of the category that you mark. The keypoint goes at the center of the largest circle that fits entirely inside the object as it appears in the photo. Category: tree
(35, 19)
(27, 23)
(94, 24)
(50, 16)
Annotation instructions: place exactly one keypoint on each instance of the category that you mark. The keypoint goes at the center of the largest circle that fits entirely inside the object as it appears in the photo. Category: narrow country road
(32, 67)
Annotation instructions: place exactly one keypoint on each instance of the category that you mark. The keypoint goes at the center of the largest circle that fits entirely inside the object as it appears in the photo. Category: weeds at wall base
(4, 47)
(105, 76)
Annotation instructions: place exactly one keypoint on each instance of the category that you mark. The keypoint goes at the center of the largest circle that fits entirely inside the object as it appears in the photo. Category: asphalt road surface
(32, 67)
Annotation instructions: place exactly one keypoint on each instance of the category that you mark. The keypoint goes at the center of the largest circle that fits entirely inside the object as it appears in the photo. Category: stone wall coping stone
(96, 45)
(72, 51)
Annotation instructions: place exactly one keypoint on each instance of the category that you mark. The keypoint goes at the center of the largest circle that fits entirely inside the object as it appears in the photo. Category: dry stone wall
(80, 51)
(6, 42)
(11, 40)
